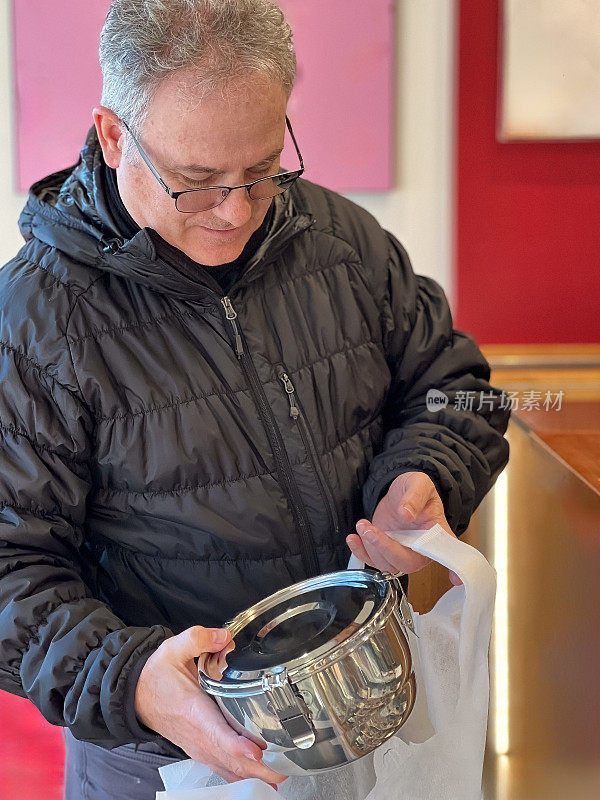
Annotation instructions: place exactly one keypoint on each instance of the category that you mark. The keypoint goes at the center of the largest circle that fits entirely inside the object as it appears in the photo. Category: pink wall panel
(342, 105)
(58, 81)
(342, 108)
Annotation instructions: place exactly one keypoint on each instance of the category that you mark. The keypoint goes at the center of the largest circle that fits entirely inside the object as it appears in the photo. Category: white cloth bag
(438, 753)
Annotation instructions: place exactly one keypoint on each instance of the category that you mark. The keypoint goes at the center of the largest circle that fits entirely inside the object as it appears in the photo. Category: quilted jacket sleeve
(59, 646)
(460, 446)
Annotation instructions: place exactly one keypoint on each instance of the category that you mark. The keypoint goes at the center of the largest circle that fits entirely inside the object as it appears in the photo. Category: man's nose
(236, 209)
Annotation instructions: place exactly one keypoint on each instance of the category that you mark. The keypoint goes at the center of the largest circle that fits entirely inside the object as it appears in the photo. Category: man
(204, 391)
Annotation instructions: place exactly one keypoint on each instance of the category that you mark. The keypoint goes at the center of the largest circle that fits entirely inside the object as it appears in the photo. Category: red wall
(528, 213)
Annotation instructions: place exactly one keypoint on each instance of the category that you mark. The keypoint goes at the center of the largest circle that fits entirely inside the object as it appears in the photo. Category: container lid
(301, 625)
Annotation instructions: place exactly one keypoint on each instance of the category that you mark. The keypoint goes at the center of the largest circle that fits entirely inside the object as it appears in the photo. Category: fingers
(231, 778)
(454, 579)
(356, 546)
(182, 712)
(374, 547)
(214, 664)
(222, 656)
(373, 559)
(266, 774)
(368, 553)
(252, 766)
(224, 750)
(383, 552)
(207, 664)
(228, 776)
(382, 549)
(196, 641)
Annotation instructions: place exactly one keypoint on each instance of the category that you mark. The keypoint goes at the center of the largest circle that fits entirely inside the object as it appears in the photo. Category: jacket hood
(69, 211)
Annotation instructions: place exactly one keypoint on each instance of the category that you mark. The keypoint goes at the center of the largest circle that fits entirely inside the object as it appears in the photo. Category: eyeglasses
(192, 201)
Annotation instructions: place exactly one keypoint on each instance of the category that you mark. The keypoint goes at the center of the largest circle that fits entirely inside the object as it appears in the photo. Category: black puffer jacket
(169, 457)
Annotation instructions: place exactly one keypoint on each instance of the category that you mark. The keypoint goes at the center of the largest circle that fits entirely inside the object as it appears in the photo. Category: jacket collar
(68, 210)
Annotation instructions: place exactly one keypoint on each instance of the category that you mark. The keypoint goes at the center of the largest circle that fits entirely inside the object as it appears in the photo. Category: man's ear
(110, 135)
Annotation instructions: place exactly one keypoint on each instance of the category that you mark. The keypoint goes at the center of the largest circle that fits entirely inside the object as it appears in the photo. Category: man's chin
(208, 250)
(214, 257)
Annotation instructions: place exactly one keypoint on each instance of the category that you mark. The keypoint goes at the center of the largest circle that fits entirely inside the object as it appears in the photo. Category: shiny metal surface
(332, 705)
(301, 624)
(540, 528)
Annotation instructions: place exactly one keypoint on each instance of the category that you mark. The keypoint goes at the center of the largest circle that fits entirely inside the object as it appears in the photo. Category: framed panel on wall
(342, 107)
(550, 70)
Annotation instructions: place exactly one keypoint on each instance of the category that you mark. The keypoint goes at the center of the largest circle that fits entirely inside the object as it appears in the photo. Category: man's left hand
(411, 503)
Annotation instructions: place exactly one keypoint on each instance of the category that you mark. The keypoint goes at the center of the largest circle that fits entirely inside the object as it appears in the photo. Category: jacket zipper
(309, 444)
(307, 545)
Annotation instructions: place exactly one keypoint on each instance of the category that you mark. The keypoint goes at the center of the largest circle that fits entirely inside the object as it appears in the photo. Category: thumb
(197, 640)
(454, 579)
(417, 491)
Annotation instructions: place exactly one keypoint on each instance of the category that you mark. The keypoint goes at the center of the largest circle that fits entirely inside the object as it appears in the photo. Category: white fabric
(438, 753)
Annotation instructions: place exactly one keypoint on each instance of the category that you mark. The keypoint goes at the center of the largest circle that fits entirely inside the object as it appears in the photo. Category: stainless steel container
(321, 670)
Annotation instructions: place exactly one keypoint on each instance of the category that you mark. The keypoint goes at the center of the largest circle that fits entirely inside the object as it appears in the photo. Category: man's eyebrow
(213, 171)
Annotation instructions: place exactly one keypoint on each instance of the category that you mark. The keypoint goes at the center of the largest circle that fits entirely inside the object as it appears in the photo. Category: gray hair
(144, 41)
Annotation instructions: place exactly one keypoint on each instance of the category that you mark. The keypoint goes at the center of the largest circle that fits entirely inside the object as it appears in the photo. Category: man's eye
(206, 182)
(263, 170)
(194, 184)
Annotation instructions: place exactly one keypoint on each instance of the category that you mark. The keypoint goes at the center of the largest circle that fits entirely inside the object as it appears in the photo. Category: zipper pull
(231, 315)
(289, 388)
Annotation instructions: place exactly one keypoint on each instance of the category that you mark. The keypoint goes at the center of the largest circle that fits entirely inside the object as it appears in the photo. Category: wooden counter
(571, 433)
(540, 528)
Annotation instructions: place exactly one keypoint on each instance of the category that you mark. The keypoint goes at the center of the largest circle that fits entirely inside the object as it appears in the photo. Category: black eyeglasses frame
(292, 175)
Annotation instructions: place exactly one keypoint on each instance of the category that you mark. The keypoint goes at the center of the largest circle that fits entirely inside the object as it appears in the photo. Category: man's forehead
(192, 151)
(242, 126)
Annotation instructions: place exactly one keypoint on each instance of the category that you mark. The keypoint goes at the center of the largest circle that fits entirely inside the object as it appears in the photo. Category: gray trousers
(92, 773)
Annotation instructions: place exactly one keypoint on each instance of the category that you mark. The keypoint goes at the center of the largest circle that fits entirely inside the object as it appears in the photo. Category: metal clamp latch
(403, 605)
(405, 613)
(289, 708)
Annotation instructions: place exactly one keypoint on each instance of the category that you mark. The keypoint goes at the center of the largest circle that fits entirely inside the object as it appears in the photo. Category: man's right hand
(169, 700)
